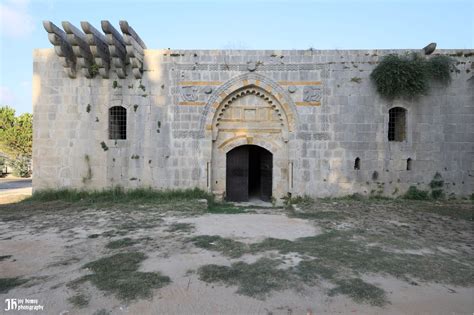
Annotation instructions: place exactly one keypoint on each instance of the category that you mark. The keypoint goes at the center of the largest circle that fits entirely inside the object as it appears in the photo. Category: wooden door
(237, 174)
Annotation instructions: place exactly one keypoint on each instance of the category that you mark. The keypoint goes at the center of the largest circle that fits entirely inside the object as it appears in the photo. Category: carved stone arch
(255, 91)
(250, 80)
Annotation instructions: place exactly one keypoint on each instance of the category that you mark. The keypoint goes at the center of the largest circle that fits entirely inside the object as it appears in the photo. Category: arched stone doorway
(250, 111)
(249, 170)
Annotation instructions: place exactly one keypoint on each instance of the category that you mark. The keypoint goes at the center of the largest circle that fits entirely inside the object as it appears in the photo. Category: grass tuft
(118, 194)
(118, 274)
(225, 208)
(6, 284)
(255, 280)
(414, 193)
(121, 243)
(226, 246)
(79, 300)
(360, 291)
(309, 271)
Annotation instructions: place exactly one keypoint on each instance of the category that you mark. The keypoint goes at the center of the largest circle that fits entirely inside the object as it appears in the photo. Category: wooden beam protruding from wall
(62, 47)
(135, 48)
(80, 47)
(99, 48)
(116, 47)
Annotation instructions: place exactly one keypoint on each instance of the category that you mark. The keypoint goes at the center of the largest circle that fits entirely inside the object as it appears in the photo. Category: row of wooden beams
(93, 52)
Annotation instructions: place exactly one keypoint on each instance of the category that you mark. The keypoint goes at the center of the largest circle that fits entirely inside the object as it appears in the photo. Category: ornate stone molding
(312, 94)
(252, 79)
(250, 90)
(189, 93)
(244, 67)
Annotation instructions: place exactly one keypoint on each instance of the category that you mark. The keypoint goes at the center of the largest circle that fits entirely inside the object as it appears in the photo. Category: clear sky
(257, 24)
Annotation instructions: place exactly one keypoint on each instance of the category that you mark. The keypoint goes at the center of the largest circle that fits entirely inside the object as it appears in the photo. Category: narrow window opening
(397, 124)
(409, 164)
(357, 164)
(118, 123)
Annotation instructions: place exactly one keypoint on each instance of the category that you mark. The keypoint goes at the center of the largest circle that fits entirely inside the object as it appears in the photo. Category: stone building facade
(312, 120)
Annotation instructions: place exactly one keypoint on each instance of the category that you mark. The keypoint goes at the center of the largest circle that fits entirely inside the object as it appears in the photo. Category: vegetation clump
(255, 280)
(16, 139)
(414, 193)
(93, 70)
(118, 274)
(6, 284)
(332, 254)
(360, 291)
(104, 146)
(437, 186)
(79, 300)
(226, 246)
(121, 243)
(410, 76)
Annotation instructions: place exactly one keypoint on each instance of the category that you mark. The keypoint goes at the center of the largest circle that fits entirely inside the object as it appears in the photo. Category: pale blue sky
(233, 25)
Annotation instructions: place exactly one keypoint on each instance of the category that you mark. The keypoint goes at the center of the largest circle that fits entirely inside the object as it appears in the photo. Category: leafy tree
(16, 139)
(7, 118)
(16, 133)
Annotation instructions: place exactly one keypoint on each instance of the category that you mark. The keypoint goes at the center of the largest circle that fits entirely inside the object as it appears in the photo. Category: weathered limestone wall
(328, 110)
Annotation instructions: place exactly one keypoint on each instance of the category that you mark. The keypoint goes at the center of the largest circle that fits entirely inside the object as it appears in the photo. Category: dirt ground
(234, 262)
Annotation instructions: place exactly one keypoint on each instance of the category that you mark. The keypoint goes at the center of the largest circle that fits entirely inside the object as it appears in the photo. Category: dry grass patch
(117, 274)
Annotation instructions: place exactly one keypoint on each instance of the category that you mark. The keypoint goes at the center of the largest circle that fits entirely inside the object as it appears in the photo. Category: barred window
(397, 124)
(117, 123)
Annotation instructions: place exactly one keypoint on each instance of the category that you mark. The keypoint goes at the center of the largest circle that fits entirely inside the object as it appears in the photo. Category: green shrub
(439, 68)
(437, 181)
(414, 193)
(409, 76)
(437, 194)
(21, 167)
(93, 70)
(436, 185)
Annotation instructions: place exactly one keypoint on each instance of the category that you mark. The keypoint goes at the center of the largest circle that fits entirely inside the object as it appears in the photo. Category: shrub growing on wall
(408, 76)
(440, 68)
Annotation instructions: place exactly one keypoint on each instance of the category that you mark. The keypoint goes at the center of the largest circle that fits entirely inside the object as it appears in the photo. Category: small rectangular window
(397, 124)
(118, 123)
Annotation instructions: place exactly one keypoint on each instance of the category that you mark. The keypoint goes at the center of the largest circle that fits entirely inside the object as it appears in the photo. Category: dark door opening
(249, 174)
